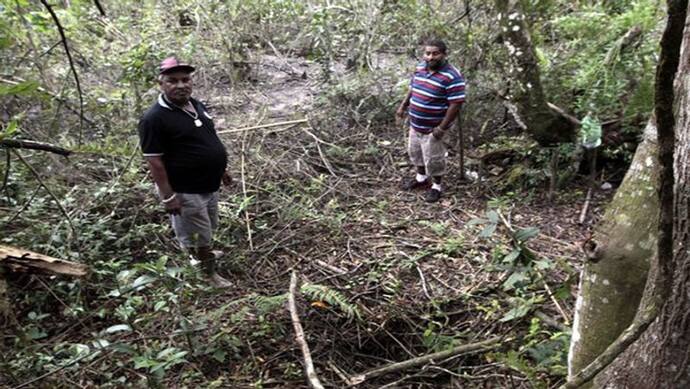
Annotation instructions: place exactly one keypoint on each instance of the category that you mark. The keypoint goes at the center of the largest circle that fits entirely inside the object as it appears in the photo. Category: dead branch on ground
(299, 335)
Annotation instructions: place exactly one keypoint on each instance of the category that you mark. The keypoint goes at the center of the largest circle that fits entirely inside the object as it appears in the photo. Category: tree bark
(546, 125)
(618, 257)
(660, 358)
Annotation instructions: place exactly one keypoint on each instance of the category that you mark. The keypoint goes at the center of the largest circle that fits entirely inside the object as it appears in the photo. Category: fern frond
(268, 304)
(332, 297)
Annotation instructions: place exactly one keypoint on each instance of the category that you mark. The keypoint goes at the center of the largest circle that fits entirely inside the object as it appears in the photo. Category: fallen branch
(299, 335)
(262, 126)
(430, 358)
(24, 260)
(583, 213)
(29, 144)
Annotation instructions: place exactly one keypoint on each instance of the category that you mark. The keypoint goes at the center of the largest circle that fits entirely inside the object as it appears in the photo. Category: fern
(332, 297)
(268, 304)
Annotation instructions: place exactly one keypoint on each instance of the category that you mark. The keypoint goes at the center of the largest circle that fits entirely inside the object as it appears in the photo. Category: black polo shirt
(194, 157)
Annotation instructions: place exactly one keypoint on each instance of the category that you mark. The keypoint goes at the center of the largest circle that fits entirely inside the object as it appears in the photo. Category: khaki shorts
(197, 220)
(425, 150)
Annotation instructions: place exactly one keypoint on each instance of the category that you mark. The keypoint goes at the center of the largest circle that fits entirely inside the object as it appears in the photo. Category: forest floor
(419, 277)
(384, 276)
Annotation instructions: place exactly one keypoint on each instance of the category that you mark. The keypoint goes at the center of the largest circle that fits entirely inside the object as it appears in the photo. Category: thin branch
(6, 177)
(430, 358)
(244, 192)
(71, 65)
(299, 335)
(50, 192)
(100, 8)
(29, 144)
(262, 126)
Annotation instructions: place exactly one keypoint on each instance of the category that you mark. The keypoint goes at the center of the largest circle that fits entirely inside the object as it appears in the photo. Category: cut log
(21, 260)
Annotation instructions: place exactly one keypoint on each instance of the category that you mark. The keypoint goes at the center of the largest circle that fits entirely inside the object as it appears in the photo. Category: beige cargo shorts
(197, 220)
(425, 150)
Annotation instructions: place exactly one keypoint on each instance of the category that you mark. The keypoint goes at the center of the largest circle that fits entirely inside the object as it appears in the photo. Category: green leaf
(22, 88)
(493, 216)
(117, 328)
(510, 258)
(517, 312)
(476, 221)
(219, 355)
(488, 231)
(524, 234)
(141, 282)
(10, 130)
(34, 333)
(514, 279)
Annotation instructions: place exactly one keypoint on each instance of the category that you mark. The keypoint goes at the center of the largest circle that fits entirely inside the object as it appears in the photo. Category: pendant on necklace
(197, 122)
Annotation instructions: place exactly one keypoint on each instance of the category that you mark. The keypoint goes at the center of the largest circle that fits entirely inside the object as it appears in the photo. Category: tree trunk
(618, 256)
(660, 357)
(532, 111)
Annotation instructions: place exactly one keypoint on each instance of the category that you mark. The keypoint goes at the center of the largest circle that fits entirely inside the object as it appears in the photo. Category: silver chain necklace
(194, 115)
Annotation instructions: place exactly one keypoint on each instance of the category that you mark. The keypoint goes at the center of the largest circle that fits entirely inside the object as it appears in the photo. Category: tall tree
(654, 352)
(527, 100)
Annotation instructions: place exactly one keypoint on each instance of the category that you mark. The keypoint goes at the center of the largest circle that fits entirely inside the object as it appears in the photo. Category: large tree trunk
(660, 357)
(530, 109)
(618, 257)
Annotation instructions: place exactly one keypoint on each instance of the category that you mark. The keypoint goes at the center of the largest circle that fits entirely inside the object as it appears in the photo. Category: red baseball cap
(171, 64)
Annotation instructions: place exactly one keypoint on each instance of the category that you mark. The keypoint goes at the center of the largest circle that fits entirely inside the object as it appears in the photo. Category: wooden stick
(262, 126)
(244, 192)
(583, 213)
(299, 335)
(29, 144)
(430, 358)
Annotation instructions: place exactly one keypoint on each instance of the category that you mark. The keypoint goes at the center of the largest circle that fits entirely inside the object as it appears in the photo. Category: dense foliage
(144, 317)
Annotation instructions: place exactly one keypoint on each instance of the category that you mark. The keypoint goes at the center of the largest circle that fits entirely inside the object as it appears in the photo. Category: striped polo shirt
(432, 93)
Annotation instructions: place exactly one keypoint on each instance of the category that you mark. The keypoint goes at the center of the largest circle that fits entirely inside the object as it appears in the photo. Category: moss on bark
(613, 279)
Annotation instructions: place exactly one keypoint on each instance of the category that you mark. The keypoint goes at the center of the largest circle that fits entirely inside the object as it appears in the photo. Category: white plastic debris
(606, 186)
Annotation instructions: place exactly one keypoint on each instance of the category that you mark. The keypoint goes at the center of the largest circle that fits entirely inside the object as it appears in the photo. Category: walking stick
(460, 145)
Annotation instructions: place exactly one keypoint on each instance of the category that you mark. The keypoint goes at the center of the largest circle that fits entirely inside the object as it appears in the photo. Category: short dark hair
(437, 43)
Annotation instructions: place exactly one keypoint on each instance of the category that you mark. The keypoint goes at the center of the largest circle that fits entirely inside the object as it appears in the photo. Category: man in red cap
(187, 161)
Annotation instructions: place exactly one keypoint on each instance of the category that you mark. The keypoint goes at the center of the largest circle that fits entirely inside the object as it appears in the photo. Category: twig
(6, 177)
(26, 204)
(583, 214)
(424, 288)
(299, 335)
(50, 192)
(262, 126)
(339, 372)
(323, 157)
(244, 192)
(100, 7)
(414, 362)
(29, 144)
(71, 65)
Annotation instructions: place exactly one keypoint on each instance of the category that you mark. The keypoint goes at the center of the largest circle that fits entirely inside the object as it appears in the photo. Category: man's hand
(438, 133)
(227, 179)
(400, 114)
(173, 206)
